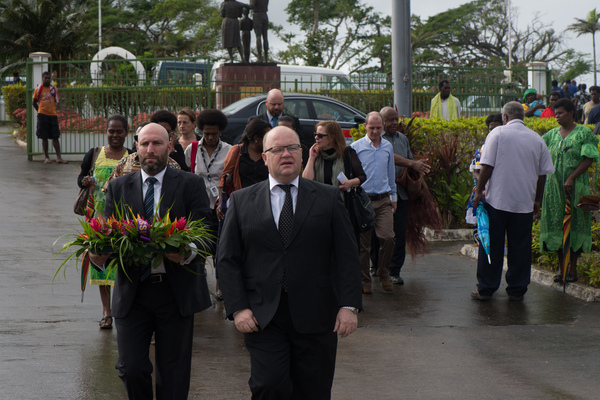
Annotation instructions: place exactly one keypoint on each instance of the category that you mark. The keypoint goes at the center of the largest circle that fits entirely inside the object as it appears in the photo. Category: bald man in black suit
(290, 275)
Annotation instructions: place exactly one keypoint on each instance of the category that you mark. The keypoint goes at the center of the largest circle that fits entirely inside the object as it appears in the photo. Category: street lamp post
(401, 57)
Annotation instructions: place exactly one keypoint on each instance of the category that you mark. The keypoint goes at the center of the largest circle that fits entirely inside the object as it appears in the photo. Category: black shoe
(397, 280)
(515, 298)
(475, 295)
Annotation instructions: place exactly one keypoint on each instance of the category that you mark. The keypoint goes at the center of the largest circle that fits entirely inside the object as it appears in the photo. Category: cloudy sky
(558, 14)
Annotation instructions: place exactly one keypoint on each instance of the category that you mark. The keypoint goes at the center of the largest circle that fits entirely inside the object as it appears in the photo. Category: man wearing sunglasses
(289, 281)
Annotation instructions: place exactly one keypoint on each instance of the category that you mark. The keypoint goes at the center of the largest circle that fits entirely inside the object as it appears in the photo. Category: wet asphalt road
(426, 340)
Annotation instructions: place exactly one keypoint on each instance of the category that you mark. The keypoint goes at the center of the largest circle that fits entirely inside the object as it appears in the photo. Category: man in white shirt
(514, 165)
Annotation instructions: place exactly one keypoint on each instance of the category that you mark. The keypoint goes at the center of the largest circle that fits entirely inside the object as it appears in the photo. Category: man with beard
(162, 300)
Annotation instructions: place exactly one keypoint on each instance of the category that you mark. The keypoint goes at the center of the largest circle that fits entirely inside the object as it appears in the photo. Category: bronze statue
(231, 10)
(246, 28)
(261, 26)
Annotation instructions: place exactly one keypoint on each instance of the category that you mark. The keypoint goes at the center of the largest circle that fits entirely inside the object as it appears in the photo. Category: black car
(309, 108)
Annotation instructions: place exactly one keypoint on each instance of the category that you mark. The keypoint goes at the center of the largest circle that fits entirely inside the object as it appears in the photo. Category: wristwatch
(353, 309)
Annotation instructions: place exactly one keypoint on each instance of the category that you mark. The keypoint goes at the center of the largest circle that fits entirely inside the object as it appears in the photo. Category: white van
(300, 77)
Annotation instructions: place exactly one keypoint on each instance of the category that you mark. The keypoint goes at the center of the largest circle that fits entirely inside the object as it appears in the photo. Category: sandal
(48, 161)
(557, 278)
(61, 161)
(106, 322)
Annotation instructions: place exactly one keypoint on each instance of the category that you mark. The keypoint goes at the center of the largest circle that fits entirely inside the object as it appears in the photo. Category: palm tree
(591, 25)
(54, 26)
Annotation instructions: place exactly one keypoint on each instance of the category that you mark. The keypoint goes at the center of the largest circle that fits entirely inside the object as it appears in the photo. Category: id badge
(214, 191)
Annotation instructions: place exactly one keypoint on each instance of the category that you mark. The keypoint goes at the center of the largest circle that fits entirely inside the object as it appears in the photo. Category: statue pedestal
(235, 81)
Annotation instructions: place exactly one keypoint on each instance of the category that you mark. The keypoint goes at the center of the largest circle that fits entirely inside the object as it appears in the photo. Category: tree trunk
(317, 5)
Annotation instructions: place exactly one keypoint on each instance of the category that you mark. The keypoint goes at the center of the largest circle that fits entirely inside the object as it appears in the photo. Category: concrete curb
(446, 235)
(543, 277)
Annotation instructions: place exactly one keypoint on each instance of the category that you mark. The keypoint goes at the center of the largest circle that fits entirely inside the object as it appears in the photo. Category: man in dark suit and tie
(274, 104)
(290, 275)
(161, 300)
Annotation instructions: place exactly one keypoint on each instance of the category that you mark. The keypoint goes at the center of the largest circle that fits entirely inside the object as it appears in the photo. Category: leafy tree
(571, 65)
(338, 32)
(54, 26)
(478, 32)
(589, 25)
(164, 27)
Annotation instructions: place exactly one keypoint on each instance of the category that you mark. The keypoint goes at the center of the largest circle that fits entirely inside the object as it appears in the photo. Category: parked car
(309, 108)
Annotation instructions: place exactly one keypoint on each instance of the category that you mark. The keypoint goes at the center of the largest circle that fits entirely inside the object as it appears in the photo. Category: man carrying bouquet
(159, 300)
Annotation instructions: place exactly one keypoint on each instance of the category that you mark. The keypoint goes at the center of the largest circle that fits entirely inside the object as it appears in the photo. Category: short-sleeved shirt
(594, 115)
(402, 148)
(587, 107)
(519, 156)
(216, 162)
(47, 103)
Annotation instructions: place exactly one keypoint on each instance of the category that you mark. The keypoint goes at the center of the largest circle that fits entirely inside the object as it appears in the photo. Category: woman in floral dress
(106, 160)
(573, 149)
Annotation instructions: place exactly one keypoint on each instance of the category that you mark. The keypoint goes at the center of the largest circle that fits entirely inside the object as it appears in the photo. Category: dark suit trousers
(154, 310)
(289, 365)
(518, 233)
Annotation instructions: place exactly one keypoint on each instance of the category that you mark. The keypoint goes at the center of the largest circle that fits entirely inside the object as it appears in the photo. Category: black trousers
(399, 255)
(289, 365)
(154, 311)
(517, 227)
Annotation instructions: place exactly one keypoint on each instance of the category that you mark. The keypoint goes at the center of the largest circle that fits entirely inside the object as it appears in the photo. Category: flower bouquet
(135, 241)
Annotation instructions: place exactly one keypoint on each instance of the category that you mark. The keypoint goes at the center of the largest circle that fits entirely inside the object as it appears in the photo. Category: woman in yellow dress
(102, 161)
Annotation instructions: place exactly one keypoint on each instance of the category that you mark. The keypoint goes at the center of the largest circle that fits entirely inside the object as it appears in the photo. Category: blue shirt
(378, 164)
(593, 117)
(559, 90)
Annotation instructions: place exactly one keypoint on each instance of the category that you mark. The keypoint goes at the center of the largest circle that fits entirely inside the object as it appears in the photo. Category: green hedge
(14, 98)
(449, 147)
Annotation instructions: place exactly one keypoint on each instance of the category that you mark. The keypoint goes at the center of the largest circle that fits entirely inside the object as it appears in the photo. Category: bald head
(282, 154)
(390, 120)
(275, 102)
(153, 148)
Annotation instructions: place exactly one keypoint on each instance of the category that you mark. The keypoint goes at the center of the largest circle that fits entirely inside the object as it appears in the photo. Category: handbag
(413, 182)
(81, 200)
(362, 209)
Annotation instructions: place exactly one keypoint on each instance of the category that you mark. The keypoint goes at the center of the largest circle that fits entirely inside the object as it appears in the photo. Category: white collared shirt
(270, 117)
(278, 197)
(157, 197)
(157, 186)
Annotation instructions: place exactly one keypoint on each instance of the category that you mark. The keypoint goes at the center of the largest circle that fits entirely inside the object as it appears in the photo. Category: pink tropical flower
(180, 224)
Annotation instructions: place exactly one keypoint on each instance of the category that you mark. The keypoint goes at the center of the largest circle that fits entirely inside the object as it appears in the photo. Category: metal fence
(90, 91)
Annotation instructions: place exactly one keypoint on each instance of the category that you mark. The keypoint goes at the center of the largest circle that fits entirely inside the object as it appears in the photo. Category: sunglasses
(320, 135)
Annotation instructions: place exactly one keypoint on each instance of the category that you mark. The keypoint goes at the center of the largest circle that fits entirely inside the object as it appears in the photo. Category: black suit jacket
(185, 194)
(320, 259)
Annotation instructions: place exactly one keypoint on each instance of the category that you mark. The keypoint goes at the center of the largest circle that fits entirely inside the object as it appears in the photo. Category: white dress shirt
(278, 197)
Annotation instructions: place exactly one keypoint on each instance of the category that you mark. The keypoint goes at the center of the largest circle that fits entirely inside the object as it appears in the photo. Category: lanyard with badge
(213, 189)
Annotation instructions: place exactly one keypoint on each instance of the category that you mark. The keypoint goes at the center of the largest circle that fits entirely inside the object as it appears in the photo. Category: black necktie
(149, 210)
(149, 200)
(286, 218)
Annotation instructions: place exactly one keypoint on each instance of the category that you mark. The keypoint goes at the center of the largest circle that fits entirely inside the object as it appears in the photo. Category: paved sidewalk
(426, 340)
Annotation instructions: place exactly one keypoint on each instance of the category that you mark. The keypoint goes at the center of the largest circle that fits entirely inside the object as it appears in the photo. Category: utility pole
(99, 25)
(401, 57)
